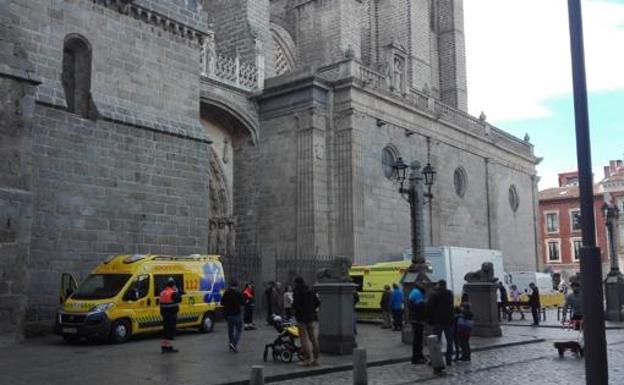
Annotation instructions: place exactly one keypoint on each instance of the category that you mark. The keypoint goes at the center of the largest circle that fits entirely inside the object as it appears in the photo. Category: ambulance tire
(120, 331)
(207, 324)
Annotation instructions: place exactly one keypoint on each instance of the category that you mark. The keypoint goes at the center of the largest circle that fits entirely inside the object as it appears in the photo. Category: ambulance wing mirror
(68, 287)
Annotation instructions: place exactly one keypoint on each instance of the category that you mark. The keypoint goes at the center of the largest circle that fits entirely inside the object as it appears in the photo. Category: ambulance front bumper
(89, 325)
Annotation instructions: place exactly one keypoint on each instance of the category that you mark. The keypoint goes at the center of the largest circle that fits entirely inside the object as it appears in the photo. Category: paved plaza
(523, 355)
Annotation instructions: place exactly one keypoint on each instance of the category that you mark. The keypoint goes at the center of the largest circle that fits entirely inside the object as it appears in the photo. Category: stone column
(336, 317)
(482, 296)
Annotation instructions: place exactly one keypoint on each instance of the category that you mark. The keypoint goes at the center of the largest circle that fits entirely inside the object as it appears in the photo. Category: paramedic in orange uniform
(169, 306)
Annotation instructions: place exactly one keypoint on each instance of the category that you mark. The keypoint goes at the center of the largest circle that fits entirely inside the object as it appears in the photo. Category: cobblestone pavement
(520, 365)
(205, 360)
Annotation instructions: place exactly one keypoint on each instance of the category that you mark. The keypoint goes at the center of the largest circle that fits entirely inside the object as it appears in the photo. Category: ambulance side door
(137, 302)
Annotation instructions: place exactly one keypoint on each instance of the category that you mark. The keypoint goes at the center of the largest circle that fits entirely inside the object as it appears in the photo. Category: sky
(519, 74)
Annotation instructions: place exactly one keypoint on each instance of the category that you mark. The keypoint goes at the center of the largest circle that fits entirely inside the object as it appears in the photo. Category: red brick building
(560, 225)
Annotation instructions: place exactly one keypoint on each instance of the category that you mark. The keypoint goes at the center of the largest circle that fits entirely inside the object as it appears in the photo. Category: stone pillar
(482, 296)
(336, 317)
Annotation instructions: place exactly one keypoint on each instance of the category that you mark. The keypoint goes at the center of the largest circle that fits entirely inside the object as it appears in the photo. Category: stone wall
(102, 188)
(325, 30)
(328, 192)
(133, 59)
(239, 26)
(17, 89)
(132, 179)
(16, 105)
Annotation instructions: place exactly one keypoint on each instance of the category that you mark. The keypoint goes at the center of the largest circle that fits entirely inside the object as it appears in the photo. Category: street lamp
(614, 284)
(417, 271)
(611, 214)
(429, 174)
(414, 195)
(596, 367)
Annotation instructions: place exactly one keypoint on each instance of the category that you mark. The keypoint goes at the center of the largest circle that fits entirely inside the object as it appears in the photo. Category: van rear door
(68, 287)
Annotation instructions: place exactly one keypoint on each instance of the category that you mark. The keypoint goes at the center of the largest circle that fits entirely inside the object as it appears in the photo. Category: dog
(572, 346)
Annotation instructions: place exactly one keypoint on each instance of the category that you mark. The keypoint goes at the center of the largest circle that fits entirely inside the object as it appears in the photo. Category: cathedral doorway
(228, 136)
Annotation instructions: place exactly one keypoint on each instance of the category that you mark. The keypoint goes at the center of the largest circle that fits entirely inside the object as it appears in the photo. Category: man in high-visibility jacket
(169, 307)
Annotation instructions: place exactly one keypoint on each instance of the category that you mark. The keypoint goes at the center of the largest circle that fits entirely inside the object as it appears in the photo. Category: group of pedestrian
(279, 302)
(302, 303)
(434, 310)
(506, 309)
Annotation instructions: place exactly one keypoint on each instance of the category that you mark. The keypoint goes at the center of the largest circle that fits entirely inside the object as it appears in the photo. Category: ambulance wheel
(286, 356)
(120, 331)
(207, 324)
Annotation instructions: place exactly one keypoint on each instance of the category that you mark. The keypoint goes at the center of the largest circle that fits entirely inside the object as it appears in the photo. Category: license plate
(70, 330)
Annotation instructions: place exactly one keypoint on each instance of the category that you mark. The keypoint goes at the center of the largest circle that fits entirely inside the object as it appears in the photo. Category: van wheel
(207, 324)
(120, 331)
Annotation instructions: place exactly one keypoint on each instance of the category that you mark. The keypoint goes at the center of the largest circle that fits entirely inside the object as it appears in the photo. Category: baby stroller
(285, 345)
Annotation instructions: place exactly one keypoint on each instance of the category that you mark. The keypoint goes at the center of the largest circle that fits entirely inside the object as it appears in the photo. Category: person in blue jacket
(396, 305)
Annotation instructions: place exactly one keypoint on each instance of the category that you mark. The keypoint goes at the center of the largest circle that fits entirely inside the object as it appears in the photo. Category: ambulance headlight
(100, 308)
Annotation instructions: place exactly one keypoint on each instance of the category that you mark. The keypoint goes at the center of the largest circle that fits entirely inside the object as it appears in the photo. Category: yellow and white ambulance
(120, 298)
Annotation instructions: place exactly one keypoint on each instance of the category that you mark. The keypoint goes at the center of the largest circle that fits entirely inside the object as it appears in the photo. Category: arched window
(388, 156)
(460, 180)
(514, 199)
(76, 75)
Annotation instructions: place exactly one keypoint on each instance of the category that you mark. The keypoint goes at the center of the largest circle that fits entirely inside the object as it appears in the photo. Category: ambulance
(120, 298)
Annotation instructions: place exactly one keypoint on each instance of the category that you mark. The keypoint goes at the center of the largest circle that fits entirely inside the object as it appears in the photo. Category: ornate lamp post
(614, 284)
(417, 272)
(415, 196)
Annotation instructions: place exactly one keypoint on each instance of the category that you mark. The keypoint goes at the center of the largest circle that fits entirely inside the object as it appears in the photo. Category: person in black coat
(439, 310)
(232, 301)
(305, 305)
(503, 302)
(534, 303)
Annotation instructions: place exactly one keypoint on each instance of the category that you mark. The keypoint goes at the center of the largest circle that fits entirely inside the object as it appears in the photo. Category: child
(464, 329)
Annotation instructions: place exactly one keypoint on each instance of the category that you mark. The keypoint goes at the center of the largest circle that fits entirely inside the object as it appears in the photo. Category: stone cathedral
(240, 127)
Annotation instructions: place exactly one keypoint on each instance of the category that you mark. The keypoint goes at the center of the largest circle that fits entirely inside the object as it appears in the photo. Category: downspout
(487, 200)
(534, 180)
(430, 200)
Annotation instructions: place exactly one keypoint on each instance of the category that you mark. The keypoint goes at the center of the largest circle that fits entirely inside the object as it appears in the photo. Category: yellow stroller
(285, 346)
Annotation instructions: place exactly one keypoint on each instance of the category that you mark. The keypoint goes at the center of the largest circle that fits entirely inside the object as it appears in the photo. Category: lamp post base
(614, 293)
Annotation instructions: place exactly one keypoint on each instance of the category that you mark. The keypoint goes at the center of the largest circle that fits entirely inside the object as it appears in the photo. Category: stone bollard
(435, 354)
(257, 377)
(360, 376)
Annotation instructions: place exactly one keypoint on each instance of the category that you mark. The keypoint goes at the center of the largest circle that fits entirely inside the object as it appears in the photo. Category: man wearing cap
(169, 307)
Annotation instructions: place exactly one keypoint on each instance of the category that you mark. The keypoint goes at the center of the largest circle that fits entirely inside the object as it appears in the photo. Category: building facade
(242, 127)
(560, 224)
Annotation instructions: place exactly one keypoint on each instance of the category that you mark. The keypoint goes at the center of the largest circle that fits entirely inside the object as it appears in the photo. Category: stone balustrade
(231, 70)
(369, 77)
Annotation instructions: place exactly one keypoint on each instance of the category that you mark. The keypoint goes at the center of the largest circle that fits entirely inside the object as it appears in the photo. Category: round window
(459, 179)
(388, 156)
(514, 200)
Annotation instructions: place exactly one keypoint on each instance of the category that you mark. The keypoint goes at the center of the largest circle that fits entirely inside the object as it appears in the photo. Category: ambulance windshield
(101, 286)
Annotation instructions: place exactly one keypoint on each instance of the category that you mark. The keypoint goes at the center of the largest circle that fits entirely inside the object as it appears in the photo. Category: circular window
(388, 156)
(514, 200)
(460, 180)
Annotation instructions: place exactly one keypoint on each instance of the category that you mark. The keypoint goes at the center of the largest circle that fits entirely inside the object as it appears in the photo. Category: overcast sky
(519, 73)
